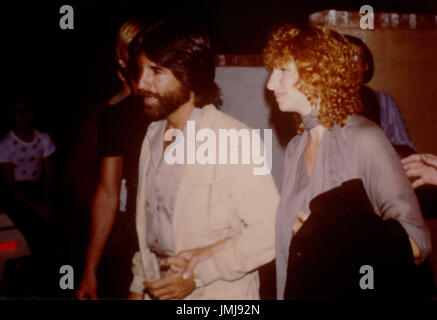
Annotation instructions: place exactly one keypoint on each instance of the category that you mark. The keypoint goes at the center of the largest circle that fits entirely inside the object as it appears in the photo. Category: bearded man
(203, 229)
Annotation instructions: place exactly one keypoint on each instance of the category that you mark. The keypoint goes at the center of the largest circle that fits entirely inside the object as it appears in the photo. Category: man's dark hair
(183, 48)
(367, 57)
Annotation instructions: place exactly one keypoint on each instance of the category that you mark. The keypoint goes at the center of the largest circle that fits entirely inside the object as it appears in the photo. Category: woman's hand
(186, 261)
(423, 167)
(300, 219)
(414, 248)
(136, 296)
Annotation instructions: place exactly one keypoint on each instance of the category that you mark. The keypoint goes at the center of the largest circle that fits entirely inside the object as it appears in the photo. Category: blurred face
(283, 83)
(158, 90)
(21, 116)
(361, 64)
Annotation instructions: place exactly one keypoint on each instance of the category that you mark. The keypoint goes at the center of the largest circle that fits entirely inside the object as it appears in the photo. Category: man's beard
(164, 105)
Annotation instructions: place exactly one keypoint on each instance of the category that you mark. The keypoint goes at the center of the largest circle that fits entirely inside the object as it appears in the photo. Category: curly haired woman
(313, 75)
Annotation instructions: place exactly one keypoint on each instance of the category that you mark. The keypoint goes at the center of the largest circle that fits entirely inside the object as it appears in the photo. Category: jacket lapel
(141, 197)
(188, 178)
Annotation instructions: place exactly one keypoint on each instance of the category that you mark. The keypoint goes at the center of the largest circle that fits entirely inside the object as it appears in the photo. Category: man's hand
(171, 286)
(87, 287)
(423, 167)
(300, 219)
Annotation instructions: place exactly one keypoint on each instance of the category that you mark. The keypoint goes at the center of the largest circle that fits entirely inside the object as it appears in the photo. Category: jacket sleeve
(137, 284)
(255, 200)
(148, 272)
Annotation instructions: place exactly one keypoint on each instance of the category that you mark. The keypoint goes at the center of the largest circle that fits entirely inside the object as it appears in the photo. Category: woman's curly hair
(328, 74)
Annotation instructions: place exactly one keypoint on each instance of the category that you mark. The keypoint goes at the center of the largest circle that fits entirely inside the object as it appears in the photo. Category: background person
(25, 158)
(121, 128)
(380, 107)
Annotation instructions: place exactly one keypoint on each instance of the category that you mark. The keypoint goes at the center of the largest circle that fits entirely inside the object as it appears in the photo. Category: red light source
(9, 246)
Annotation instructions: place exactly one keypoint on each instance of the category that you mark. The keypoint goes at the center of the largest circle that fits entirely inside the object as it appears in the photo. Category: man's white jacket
(215, 201)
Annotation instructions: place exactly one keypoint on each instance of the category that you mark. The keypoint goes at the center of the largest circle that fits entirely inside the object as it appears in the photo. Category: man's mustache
(147, 94)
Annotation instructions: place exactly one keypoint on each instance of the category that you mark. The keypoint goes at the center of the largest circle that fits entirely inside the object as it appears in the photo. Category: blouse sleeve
(49, 146)
(388, 186)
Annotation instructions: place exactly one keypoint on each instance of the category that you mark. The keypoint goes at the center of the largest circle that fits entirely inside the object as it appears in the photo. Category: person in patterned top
(27, 174)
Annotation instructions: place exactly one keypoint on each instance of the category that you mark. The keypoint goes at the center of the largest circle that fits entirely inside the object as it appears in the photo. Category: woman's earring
(317, 106)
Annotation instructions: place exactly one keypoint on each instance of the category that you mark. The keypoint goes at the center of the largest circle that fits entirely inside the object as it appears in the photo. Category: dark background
(64, 71)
